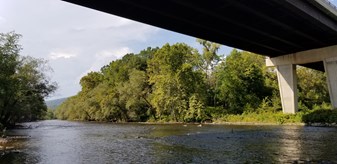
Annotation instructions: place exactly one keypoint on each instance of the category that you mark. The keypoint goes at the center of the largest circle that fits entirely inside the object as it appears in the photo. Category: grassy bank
(313, 117)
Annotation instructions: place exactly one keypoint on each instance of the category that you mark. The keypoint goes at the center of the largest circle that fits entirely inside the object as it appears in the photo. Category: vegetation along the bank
(176, 83)
(23, 83)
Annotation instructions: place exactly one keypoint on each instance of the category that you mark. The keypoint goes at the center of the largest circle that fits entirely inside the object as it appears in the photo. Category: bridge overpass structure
(288, 32)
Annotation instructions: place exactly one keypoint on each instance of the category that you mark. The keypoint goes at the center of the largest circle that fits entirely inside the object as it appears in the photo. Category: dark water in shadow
(79, 142)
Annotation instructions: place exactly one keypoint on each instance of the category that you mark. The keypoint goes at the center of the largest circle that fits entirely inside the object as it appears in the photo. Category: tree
(119, 92)
(312, 87)
(196, 111)
(23, 83)
(91, 80)
(209, 59)
(135, 93)
(242, 82)
(174, 80)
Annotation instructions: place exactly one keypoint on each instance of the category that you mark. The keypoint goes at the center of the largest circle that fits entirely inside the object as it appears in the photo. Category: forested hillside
(53, 104)
(178, 83)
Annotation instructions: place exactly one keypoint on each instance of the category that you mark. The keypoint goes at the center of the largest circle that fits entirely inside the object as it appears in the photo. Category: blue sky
(76, 40)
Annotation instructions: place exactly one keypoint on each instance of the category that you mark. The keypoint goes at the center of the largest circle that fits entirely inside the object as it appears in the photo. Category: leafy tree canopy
(23, 83)
(177, 83)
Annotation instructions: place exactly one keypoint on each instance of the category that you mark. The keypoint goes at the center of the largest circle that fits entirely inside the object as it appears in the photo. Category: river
(68, 142)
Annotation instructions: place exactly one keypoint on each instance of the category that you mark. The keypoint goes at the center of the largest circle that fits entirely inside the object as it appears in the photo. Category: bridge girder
(268, 27)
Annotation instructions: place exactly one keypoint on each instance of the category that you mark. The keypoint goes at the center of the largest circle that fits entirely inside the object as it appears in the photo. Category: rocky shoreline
(11, 144)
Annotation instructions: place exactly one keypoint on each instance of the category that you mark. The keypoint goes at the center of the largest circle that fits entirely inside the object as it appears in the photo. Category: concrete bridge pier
(330, 66)
(287, 81)
(287, 78)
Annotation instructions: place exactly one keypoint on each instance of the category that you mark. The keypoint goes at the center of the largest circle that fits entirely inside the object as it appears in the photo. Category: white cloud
(75, 39)
(58, 55)
(104, 57)
(2, 19)
(114, 53)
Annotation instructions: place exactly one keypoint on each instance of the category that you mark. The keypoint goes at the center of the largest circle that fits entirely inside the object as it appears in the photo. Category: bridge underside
(283, 30)
(267, 27)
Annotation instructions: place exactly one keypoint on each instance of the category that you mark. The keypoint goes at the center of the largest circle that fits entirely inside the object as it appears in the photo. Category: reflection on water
(80, 142)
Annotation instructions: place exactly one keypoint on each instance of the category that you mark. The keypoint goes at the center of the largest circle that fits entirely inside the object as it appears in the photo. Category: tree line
(178, 83)
(172, 83)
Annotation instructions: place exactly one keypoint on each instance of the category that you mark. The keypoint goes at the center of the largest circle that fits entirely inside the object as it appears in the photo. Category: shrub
(322, 116)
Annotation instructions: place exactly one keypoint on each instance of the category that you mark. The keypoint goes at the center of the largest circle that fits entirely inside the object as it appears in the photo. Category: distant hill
(53, 104)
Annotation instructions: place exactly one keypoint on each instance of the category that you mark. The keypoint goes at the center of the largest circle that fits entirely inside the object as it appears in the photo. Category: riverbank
(268, 118)
(232, 123)
(255, 123)
(11, 144)
(6, 144)
(322, 117)
(239, 123)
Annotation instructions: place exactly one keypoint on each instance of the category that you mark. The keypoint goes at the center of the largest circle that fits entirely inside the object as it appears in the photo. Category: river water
(83, 142)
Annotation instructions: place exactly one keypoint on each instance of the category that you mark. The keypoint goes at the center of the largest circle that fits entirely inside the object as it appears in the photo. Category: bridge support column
(287, 80)
(286, 74)
(330, 66)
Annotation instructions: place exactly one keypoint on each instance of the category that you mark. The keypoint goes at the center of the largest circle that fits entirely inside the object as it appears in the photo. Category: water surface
(82, 142)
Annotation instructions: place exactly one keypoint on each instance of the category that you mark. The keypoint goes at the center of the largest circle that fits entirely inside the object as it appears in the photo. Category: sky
(76, 40)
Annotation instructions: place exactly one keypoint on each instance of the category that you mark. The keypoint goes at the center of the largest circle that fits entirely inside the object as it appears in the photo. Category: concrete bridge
(288, 32)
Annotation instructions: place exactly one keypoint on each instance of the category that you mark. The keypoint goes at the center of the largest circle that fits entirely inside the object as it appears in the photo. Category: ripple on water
(82, 142)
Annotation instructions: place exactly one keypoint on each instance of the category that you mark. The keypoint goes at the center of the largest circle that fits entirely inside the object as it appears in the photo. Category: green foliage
(263, 117)
(312, 87)
(174, 81)
(119, 92)
(215, 113)
(208, 60)
(241, 81)
(23, 83)
(196, 110)
(321, 116)
(177, 83)
(209, 57)
(49, 115)
(135, 94)
(90, 81)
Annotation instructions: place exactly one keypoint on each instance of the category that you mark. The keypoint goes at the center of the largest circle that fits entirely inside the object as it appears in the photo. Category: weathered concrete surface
(310, 56)
(286, 73)
(331, 71)
(287, 79)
